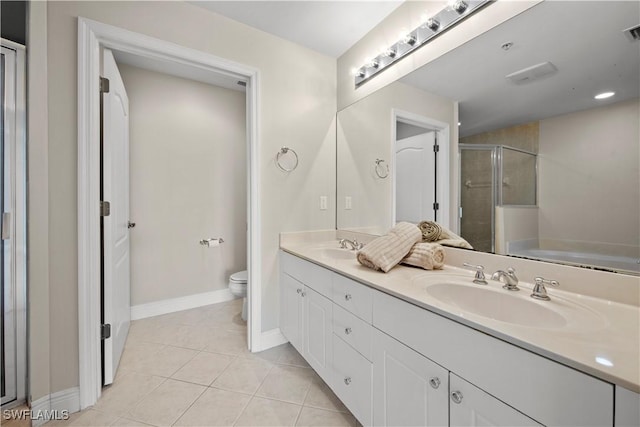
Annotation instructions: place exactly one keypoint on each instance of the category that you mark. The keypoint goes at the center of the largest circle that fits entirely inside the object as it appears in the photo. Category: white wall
(297, 108)
(187, 182)
(38, 203)
(589, 177)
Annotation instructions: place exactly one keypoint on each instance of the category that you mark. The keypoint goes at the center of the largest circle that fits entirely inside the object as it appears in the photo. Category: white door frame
(93, 35)
(443, 159)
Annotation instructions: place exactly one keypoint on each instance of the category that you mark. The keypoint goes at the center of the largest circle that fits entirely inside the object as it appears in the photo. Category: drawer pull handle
(434, 382)
(347, 380)
(347, 297)
(347, 331)
(304, 294)
(299, 290)
(456, 396)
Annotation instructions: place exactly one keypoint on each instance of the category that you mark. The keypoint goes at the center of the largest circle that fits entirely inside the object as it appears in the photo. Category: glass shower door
(477, 196)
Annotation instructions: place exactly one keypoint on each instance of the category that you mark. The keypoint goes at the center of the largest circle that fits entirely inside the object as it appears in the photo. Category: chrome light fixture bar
(455, 12)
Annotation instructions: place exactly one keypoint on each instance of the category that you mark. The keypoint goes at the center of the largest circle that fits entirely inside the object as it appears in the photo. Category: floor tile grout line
(189, 407)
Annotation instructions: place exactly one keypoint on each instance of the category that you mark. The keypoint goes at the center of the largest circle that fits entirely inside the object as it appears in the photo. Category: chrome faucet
(539, 291)
(510, 279)
(355, 245)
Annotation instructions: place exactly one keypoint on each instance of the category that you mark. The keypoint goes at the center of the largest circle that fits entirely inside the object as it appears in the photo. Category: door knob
(131, 224)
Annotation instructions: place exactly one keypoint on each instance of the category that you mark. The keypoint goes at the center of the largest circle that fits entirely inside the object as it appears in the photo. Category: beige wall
(188, 182)
(38, 244)
(406, 18)
(297, 109)
(364, 134)
(589, 176)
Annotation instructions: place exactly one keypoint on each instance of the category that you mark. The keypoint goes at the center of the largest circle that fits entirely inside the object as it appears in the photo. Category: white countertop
(613, 339)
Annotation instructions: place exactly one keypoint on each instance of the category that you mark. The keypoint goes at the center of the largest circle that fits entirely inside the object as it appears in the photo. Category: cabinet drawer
(312, 275)
(352, 377)
(548, 392)
(352, 330)
(353, 296)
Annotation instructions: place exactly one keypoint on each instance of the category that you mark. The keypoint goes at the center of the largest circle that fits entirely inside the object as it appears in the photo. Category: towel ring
(385, 172)
(282, 152)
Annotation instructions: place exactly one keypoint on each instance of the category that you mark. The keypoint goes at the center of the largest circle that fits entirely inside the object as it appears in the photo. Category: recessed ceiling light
(604, 95)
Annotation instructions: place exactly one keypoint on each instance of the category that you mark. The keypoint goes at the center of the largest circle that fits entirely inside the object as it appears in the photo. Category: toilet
(238, 287)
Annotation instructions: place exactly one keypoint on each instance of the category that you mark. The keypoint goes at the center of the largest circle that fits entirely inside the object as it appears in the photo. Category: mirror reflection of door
(415, 176)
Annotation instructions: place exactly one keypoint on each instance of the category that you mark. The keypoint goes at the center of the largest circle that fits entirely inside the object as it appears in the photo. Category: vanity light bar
(455, 12)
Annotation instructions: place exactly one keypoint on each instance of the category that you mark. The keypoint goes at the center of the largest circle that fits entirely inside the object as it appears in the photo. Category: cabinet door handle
(456, 396)
(299, 290)
(347, 331)
(347, 297)
(304, 294)
(347, 380)
(434, 382)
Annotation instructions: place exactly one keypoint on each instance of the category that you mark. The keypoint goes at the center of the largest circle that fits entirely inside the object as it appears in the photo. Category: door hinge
(104, 85)
(105, 208)
(436, 148)
(436, 206)
(105, 331)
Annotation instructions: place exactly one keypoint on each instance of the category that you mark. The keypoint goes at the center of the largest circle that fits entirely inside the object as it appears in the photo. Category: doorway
(420, 179)
(13, 297)
(94, 36)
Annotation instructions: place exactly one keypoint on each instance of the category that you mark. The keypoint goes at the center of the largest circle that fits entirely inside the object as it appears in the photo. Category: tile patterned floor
(192, 368)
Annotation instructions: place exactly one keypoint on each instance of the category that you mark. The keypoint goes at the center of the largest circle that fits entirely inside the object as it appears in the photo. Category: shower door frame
(495, 194)
(497, 177)
(15, 161)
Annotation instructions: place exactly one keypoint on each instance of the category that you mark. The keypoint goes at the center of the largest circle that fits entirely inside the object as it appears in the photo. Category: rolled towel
(385, 252)
(434, 232)
(429, 256)
(431, 231)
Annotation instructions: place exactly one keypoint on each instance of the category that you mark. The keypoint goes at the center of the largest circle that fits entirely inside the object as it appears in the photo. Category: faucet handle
(479, 278)
(539, 291)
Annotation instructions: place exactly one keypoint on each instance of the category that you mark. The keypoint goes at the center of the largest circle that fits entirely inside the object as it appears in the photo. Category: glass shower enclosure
(492, 176)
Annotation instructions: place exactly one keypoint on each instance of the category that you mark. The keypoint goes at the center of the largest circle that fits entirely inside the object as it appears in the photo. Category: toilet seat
(239, 277)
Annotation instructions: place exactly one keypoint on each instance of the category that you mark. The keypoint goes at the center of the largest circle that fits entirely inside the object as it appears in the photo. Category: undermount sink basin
(516, 307)
(335, 253)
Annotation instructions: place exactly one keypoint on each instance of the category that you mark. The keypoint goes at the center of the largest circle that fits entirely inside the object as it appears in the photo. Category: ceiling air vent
(533, 73)
(633, 33)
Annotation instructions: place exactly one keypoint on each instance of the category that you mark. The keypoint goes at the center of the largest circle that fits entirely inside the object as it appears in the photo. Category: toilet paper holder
(212, 241)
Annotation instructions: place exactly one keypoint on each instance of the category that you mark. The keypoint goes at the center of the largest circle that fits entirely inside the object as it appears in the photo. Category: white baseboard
(51, 406)
(272, 338)
(181, 303)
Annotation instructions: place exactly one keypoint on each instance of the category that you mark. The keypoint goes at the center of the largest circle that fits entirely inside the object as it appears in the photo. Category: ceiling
(583, 39)
(329, 27)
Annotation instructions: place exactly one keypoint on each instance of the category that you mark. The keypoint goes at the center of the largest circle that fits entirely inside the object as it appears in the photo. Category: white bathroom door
(415, 178)
(116, 243)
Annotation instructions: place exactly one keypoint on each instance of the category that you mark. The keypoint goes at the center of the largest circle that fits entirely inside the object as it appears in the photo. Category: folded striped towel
(385, 252)
(434, 232)
(429, 256)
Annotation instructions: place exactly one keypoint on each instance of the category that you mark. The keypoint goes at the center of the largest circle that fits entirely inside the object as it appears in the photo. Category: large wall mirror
(503, 140)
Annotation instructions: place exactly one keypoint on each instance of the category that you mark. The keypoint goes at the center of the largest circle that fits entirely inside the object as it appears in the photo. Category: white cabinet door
(408, 388)
(471, 406)
(318, 328)
(291, 306)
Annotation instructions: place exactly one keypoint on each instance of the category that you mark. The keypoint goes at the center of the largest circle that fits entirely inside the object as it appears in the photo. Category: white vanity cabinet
(393, 363)
(470, 406)
(409, 389)
(306, 318)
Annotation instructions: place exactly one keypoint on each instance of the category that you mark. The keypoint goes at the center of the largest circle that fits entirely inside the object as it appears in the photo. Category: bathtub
(610, 262)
